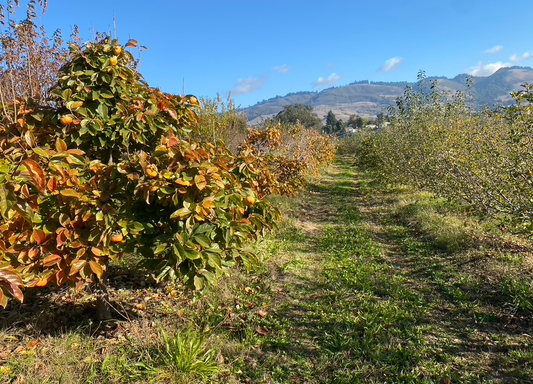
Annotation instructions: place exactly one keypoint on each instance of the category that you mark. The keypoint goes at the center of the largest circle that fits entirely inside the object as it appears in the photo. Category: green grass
(361, 284)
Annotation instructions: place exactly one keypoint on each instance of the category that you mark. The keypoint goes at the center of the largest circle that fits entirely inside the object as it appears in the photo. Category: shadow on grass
(478, 326)
(388, 305)
(53, 311)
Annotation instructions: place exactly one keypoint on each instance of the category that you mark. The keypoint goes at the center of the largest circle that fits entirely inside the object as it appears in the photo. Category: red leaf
(61, 277)
(163, 106)
(10, 281)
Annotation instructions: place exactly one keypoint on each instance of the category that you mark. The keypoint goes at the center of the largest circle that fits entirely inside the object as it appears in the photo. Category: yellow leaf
(96, 268)
(69, 192)
(200, 182)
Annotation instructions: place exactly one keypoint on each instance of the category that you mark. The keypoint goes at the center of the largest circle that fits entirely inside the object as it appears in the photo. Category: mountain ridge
(367, 98)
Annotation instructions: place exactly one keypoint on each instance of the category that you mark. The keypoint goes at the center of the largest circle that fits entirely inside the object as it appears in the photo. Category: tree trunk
(103, 306)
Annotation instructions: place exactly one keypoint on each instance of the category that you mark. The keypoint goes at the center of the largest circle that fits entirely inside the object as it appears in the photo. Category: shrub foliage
(107, 167)
(438, 143)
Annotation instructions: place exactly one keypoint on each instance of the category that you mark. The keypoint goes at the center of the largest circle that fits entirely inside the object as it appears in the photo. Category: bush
(437, 143)
(120, 177)
(108, 167)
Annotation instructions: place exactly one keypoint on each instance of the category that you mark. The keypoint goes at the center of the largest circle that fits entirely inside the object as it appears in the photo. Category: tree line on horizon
(306, 116)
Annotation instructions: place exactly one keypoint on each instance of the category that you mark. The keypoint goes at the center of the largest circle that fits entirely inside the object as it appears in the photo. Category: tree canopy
(299, 113)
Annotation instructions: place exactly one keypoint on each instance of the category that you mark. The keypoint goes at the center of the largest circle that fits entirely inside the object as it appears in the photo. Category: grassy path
(360, 285)
(359, 297)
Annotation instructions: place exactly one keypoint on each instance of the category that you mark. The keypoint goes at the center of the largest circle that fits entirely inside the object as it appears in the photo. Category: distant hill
(367, 99)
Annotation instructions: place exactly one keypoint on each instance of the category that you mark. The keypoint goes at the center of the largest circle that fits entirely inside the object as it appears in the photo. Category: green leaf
(66, 94)
(77, 159)
(160, 249)
(181, 213)
(199, 283)
(192, 254)
(167, 190)
(41, 152)
(203, 240)
(103, 111)
(214, 260)
(135, 227)
(7, 200)
(25, 210)
(163, 273)
(209, 276)
(179, 250)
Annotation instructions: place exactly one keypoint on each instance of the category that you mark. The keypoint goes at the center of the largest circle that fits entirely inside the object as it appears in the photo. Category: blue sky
(257, 49)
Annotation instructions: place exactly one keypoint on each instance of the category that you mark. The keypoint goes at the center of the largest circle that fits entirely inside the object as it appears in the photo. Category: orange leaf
(261, 331)
(51, 260)
(208, 202)
(3, 299)
(183, 182)
(61, 146)
(36, 174)
(34, 344)
(76, 266)
(173, 141)
(45, 280)
(52, 185)
(132, 43)
(39, 236)
(97, 252)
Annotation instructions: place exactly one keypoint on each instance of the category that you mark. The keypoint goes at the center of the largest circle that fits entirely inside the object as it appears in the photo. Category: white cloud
(495, 49)
(249, 85)
(516, 58)
(392, 63)
(486, 69)
(283, 69)
(327, 82)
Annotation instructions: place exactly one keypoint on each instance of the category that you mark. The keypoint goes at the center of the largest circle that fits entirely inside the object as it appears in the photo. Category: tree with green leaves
(299, 114)
(333, 126)
(355, 121)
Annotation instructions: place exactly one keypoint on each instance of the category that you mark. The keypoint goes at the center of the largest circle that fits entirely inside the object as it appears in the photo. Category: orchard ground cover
(361, 284)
